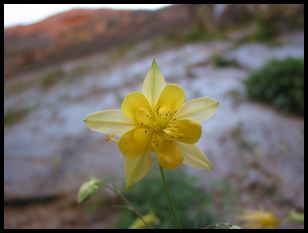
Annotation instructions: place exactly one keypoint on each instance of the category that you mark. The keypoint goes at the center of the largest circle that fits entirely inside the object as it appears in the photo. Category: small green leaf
(88, 189)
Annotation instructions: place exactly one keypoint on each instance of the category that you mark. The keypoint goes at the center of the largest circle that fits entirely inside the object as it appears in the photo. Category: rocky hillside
(79, 32)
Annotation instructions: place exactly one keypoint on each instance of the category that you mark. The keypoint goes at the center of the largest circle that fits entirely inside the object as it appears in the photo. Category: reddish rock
(78, 32)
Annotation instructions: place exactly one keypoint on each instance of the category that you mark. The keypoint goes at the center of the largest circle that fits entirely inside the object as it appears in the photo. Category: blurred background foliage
(280, 83)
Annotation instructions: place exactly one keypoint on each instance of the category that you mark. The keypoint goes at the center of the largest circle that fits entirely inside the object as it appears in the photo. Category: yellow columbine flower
(158, 120)
(259, 219)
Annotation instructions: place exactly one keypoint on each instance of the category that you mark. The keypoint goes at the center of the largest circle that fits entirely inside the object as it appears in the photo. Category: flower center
(161, 123)
(163, 119)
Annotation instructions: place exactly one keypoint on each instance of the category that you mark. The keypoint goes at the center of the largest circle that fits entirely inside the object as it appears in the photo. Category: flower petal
(193, 156)
(188, 131)
(171, 98)
(153, 84)
(132, 102)
(134, 142)
(137, 168)
(168, 155)
(110, 122)
(143, 116)
(198, 109)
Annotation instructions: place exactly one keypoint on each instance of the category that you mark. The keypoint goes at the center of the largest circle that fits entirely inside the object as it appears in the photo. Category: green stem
(131, 207)
(171, 206)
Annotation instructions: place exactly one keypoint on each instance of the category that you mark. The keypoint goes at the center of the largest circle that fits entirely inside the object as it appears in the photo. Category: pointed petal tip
(154, 62)
(209, 166)
(127, 187)
(215, 102)
(87, 118)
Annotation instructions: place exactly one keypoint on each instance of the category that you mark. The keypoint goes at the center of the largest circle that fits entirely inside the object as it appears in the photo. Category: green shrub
(197, 33)
(280, 83)
(149, 196)
(266, 30)
(219, 60)
(12, 117)
(271, 25)
(52, 77)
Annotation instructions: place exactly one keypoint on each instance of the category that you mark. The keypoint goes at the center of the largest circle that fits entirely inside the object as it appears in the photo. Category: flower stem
(131, 207)
(171, 206)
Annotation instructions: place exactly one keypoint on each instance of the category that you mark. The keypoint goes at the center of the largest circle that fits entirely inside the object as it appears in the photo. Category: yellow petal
(198, 109)
(193, 156)
(109, 122)
(259, 219)
(188, 131)
(132, 102)
(143, 116)
(171, 98)
(168, 155)
(136, 169)
(153, 84)
(151, 219)
(134, 142)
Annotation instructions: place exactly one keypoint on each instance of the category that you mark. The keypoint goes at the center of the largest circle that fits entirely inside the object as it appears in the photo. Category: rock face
(228, 15)
(79, 32)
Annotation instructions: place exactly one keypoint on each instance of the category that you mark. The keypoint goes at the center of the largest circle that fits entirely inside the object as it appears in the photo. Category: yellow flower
(150, 219)
(259, 219)
(157, 120)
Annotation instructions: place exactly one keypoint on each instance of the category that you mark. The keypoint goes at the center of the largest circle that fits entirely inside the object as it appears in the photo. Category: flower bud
(88, 189)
